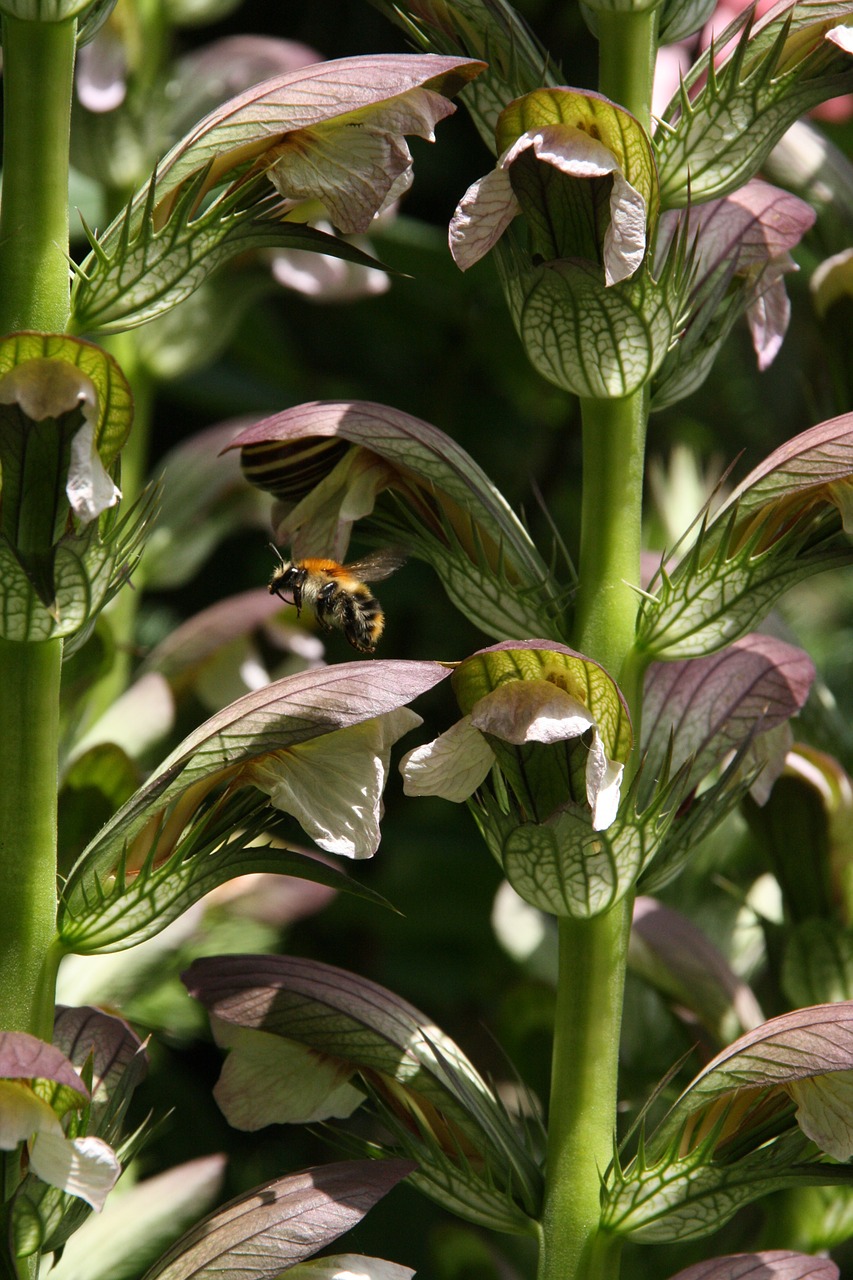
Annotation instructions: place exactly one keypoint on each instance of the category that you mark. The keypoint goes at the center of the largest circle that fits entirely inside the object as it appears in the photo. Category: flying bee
(338, 593)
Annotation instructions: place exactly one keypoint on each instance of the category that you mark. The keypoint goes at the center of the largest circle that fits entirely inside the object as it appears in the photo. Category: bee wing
(378, 565)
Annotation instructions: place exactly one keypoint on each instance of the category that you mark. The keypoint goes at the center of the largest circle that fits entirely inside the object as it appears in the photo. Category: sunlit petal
(531, 711)
(333, 784)
(84, 1167)
(266, 1079)
(350, 1266)
(452, 766)
(23, 1113)
(482, 216)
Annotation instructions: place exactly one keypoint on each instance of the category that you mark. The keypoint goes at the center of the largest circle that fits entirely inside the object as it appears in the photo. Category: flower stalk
(38, 68)
(29, 713)
(593, 953)
(34, 294)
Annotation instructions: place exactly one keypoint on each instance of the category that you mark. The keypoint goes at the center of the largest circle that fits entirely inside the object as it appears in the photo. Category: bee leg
(355, 628)
(296, 592)
(324, 603)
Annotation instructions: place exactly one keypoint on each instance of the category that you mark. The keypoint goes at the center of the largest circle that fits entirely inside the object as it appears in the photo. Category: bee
(338, 593)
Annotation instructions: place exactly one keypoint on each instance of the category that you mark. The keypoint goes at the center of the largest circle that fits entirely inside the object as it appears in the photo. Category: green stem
(611, 530)
(627, 44)
(38, 68)
(581, 1118)
(29, 714)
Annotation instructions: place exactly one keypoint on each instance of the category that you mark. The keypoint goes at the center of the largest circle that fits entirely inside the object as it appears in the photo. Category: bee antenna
(274, 548)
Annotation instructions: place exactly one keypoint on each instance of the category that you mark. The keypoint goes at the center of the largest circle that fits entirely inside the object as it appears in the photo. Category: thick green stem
(29, 714)
(582, 1113)
(611, 519)
(627, 45)
(38, 68)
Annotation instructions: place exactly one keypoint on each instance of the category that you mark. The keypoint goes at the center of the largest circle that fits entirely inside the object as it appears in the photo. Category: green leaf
(715, 135)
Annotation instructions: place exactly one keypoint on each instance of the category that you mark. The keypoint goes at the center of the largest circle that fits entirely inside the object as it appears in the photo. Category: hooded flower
(489, 205)
(580, 169)
(84, 1166)
(520, 712)
(743, 243)
(44, 389)
(520, 703)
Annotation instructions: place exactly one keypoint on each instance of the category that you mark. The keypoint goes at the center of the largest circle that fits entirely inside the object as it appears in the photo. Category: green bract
(492, 30)
(723, 123)
(65, 412)
(558, 730)
(763, 1115)
(581, 170)
(784, 522)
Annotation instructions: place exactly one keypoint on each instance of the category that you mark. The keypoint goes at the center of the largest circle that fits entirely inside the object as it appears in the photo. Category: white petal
(842, 36)
(769, 314)
(576, 154)
(452, 766)
(268, 1080)
(84, 1167)
(23, 1113)
(824, 1110)
(603, 785)
(350, 1266)
(625, 238)
(333, 784)
(90, 490)
(353, 171)
(482, 216)
(531, 711)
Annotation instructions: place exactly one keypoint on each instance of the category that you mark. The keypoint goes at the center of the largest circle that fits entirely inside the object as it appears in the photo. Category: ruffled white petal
(452, 766)
(84, 1167)
(333, 784)
(603, 785)
(269, 1080)
(531, 711)
(482, 216)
